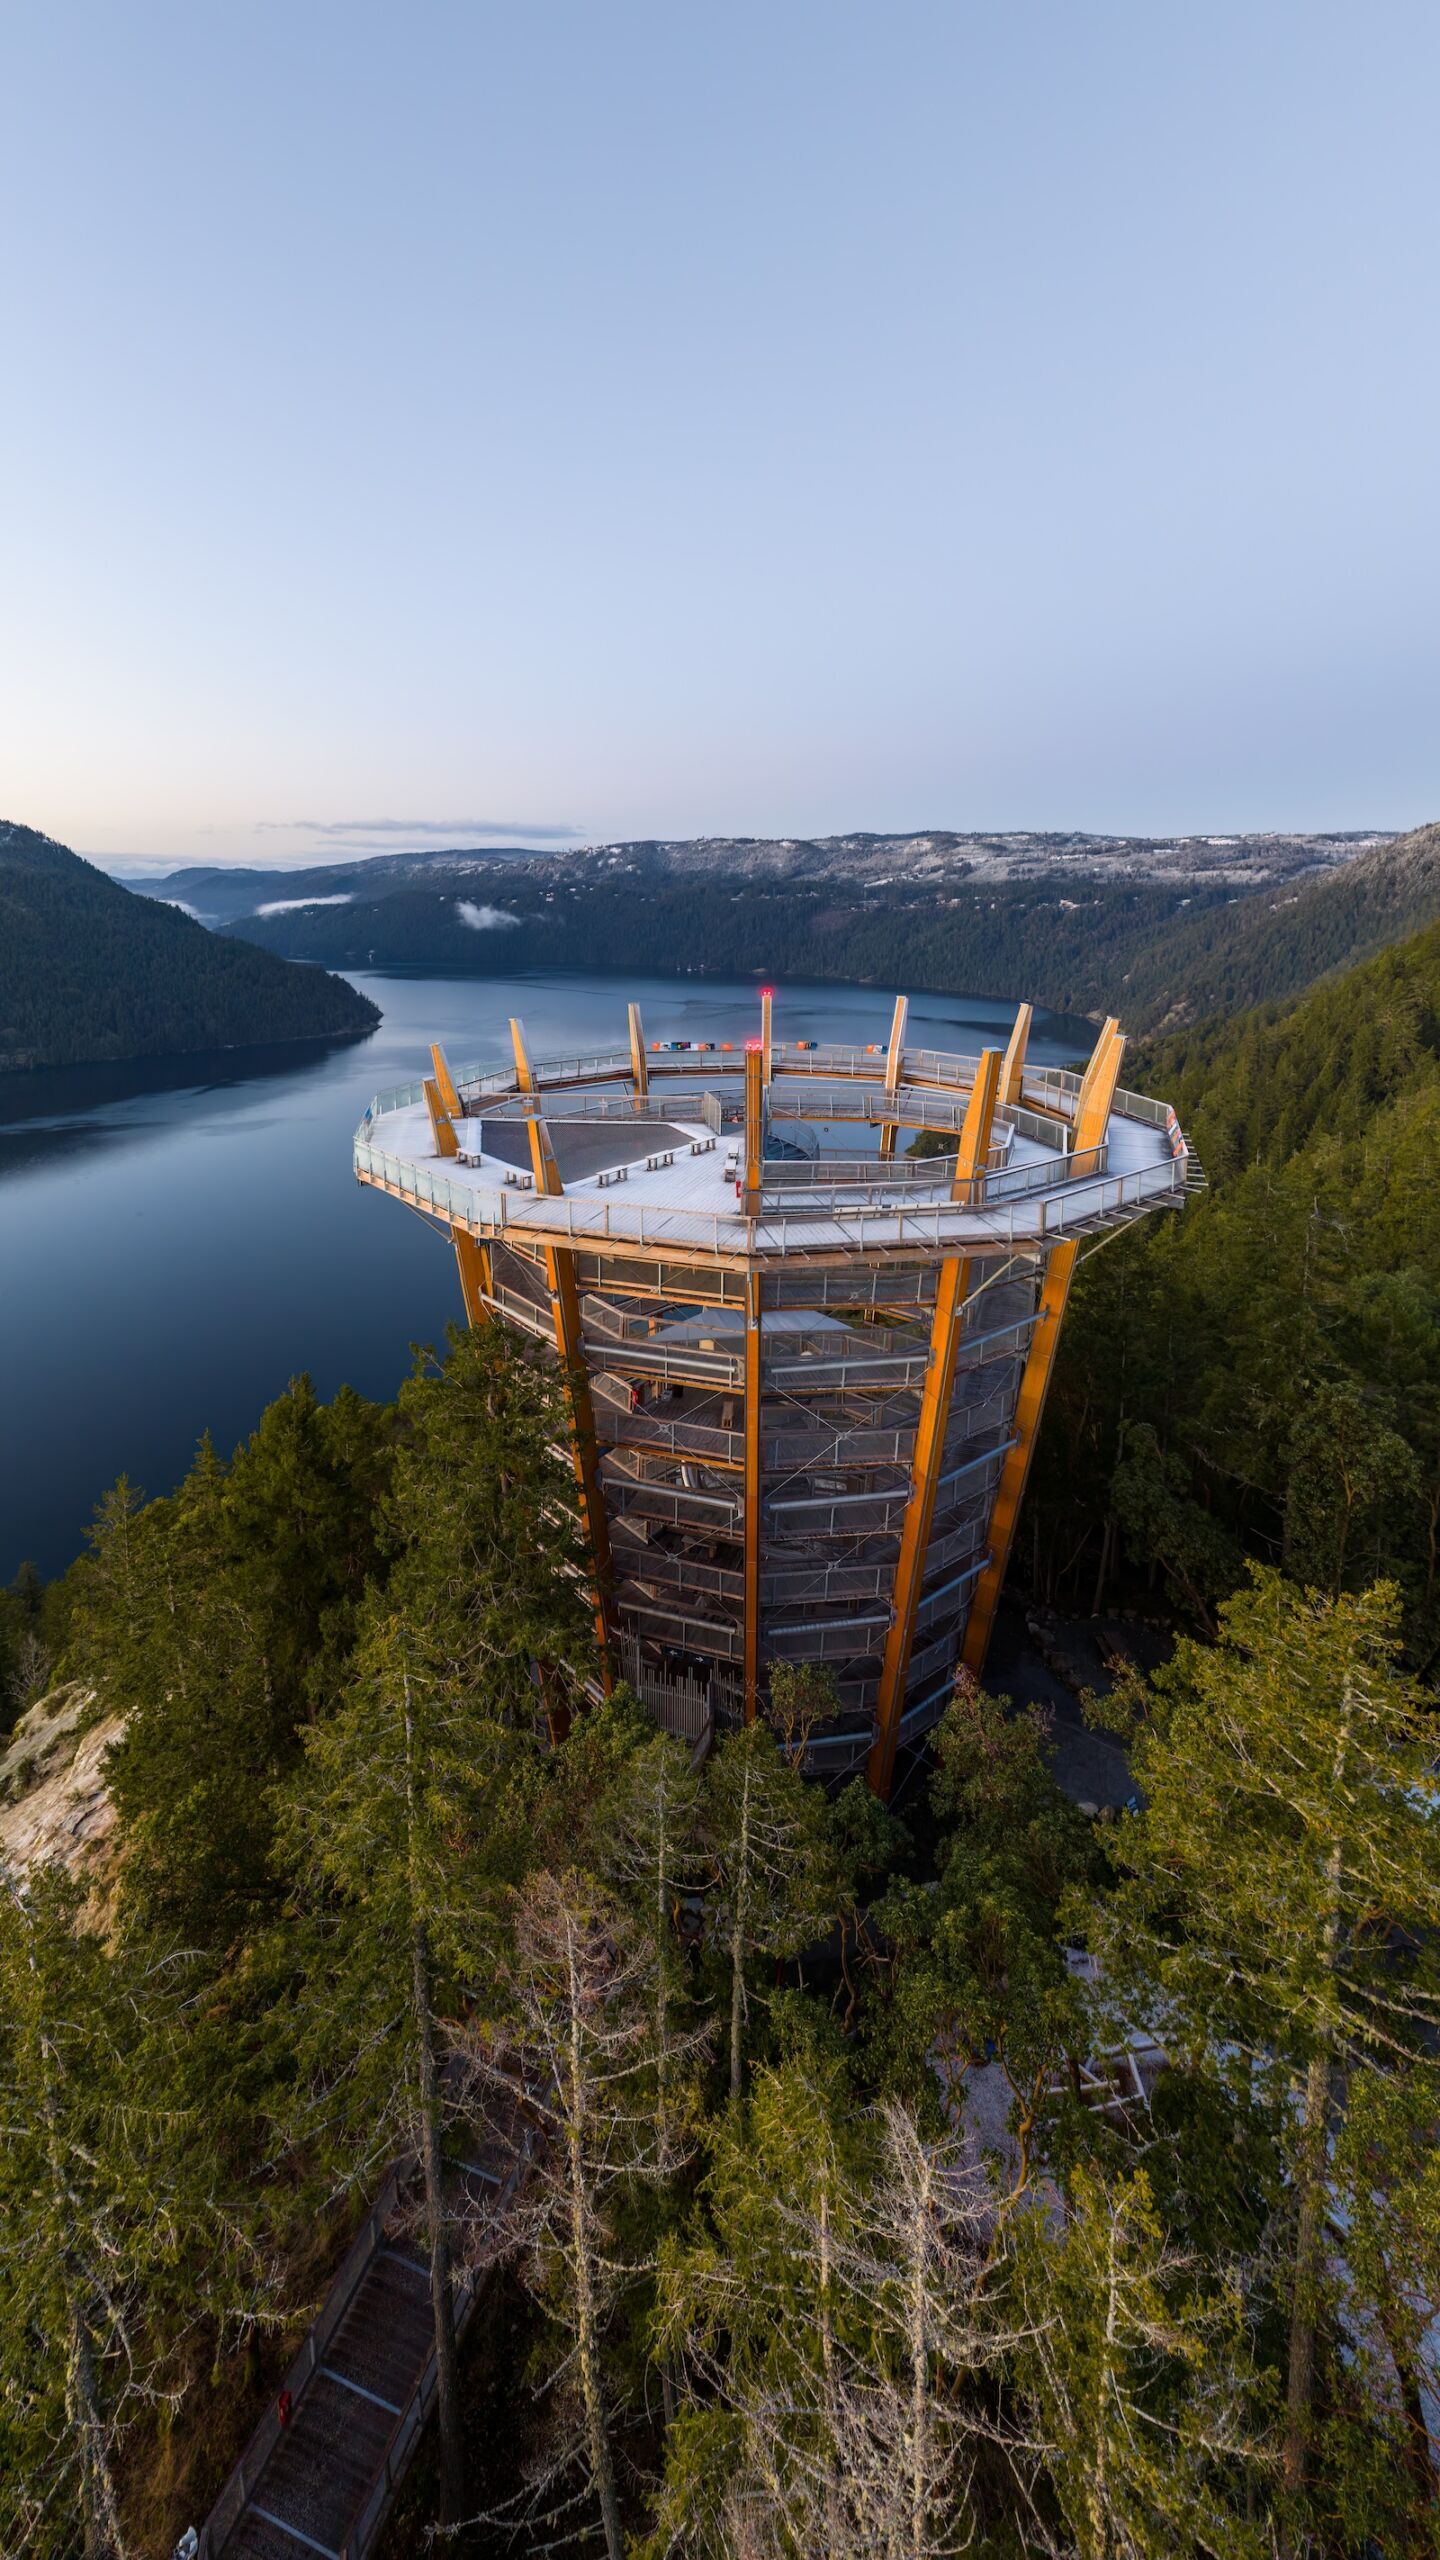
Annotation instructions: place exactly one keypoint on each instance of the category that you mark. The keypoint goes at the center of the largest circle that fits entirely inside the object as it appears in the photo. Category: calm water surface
(179, 1237)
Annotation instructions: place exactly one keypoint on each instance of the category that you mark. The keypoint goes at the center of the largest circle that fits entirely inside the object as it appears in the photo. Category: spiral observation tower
(804, 1365)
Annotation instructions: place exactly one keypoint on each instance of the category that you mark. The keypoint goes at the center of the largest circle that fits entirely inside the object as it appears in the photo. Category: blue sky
(577, 415)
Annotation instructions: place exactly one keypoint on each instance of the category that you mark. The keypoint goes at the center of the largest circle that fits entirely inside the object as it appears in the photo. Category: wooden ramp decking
(320, 2481)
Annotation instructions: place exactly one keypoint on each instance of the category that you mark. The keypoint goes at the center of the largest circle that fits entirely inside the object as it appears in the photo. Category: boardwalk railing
(248, 2514)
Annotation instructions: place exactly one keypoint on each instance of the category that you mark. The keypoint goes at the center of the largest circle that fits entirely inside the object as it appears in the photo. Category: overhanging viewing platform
(804, 1300)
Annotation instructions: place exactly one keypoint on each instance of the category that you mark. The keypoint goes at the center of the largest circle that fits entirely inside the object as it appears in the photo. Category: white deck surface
(692, 1202)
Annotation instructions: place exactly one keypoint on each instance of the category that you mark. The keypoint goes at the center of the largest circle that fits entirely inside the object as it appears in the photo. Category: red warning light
(767, 991)
(754, 1044)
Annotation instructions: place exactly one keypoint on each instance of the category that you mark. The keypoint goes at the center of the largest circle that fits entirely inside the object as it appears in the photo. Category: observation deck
(804, 1365)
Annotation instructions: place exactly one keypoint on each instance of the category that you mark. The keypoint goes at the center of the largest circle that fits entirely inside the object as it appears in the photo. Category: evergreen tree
(482, 1528)
(117, 2235)
(1136, 2379)
(575, 2021)
(406, 1821)
(1280, 1913)
(776, 1885)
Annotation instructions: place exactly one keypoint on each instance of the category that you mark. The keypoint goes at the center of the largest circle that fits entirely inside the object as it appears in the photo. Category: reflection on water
(180, 1236)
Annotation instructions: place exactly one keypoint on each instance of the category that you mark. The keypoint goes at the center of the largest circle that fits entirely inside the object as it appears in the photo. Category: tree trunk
(737, 1940)
(1309, 2229)
(919, 2346)
(1102, 1571)
(1310, 2223)
(103, 2537)
(442, 2307)
(602, 2468)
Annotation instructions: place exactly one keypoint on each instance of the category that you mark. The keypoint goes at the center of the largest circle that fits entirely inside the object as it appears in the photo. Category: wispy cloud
(287, 906)
(385, 830)
(482, 919)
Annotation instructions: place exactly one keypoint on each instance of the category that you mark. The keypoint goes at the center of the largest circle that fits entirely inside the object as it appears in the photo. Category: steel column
(1092, 1116)
(752, 1495)
(951, 1288)
(765, 1010)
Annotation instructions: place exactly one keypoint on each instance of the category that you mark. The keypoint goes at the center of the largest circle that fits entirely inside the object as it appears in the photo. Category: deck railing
(593, 1219)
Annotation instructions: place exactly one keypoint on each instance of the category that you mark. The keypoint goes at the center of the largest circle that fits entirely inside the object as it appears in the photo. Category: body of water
(180, 1236)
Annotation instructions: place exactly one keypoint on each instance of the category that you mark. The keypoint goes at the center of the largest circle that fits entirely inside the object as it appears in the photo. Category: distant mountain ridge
(1161, 949)
(89, 971)
(937, 857)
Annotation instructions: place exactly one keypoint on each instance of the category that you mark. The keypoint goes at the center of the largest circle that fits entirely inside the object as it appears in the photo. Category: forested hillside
(1153, 950)
(90, 971)
(1262, 1375)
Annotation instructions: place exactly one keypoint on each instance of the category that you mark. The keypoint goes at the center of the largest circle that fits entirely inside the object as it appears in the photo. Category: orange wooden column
(473, 1261)
(945, 1328)
(753, 1482)
(570, 1344)
(894, 1059)
(1012, 1068)
(639, 1064)
(441, 1130)
(1092, 1114)
(754, 1128)
(525, 1076)
(445, 1082)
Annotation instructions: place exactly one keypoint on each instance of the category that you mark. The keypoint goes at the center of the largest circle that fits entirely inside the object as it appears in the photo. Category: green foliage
(117, 2233)
(775, 1882)
(1288, 1835)
(90, 970)
(407, 1818)
(1262, 1375)
(215, 1622)
(1138, 2382)
(978, 1967)
(480, 1525)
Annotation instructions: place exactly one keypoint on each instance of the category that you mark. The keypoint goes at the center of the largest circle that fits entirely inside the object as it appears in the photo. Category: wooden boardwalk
(321, 2471)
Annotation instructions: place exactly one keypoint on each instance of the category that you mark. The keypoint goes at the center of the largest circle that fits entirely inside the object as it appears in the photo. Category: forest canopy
(88, 970)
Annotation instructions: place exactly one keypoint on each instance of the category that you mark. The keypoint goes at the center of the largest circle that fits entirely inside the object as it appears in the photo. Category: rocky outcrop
(54, 1802)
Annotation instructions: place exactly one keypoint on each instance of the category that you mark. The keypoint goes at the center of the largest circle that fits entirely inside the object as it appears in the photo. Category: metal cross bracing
(803, 1387)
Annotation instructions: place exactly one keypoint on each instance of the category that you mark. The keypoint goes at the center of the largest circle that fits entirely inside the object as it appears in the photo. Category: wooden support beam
(524, 1072)
(575, 1377)
(542, 1158)
(752, 1496)
(639, 1066)
(1092, 1118)
(446, 1082)
(973, 1151)
(1013, 1070)
(446, 1142)
(473, 1260)
(949, 1316)
(894, 1065)
(1098, 1062)
(754, 1128)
